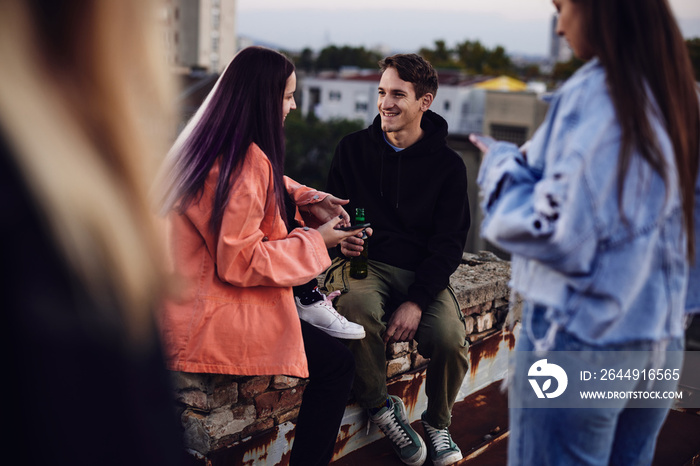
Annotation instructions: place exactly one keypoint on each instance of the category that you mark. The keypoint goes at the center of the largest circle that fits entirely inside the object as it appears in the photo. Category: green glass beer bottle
(358, 264)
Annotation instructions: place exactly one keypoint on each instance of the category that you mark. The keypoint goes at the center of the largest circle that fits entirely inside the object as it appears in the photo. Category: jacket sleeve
(248, 256)
(304, 196)
(692, 303)
(549, 218)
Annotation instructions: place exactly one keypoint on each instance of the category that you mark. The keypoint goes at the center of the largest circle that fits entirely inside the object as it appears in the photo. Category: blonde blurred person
(84, 115)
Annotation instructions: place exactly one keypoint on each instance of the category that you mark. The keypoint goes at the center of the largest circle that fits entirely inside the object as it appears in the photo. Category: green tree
(440, 57)
(310, 145)
(530, 72)
(563, 70)
(305, 60)
(472, 56)
(499, 61)
(334, 57)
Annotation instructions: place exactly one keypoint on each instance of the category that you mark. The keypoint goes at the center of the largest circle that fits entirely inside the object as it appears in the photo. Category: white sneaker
(323, 316)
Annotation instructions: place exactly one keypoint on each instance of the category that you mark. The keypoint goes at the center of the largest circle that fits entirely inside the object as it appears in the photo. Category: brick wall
(220, 411)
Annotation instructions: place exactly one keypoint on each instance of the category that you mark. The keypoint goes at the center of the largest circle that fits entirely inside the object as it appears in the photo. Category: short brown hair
(414, 69)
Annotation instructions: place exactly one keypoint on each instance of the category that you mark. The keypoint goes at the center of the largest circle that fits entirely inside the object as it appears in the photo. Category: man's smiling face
(398, 106)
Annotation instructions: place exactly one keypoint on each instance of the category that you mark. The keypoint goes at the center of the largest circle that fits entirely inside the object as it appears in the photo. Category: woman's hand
(523, 149)
(332, 236)
(328, 209)
(481, 142)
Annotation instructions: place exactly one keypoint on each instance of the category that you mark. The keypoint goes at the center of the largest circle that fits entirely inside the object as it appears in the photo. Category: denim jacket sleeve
(547, 216)
(692, 303)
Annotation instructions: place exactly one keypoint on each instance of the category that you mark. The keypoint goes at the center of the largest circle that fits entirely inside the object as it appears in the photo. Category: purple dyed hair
(244, 107)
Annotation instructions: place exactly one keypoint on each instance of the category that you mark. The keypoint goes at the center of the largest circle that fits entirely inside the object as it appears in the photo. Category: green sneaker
(443, 451)
(408, 445)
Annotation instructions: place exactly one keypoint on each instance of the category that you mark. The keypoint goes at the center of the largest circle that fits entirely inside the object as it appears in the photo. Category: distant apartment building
(340, 96)
(353, 96)
(512, 116)
(200, 34)
(500, 106)
(559, 50)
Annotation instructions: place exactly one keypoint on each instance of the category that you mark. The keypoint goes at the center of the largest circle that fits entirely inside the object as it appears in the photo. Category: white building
(461, 102)
(200, 33)
(338, 97)
(354, 97)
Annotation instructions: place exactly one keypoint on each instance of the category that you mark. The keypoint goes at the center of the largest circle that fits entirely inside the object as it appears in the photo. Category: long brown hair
(243, 107)
(641, 47)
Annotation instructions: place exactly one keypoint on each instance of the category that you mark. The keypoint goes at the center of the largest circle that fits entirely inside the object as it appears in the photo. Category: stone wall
(221, 411)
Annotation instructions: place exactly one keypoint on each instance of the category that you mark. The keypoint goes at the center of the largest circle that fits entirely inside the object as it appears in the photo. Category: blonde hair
(85, 109)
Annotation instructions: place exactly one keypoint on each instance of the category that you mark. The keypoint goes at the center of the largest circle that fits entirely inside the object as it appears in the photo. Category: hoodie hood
(434, 139)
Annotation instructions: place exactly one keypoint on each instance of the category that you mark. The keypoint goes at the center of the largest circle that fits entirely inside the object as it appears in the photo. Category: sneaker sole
(445, 460)
(341, 335)
(421, 459)
(448, 459)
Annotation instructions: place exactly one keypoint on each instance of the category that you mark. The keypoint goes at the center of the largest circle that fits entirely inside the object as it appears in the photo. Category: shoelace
(440, 438)
(328, 304)
(395, 432)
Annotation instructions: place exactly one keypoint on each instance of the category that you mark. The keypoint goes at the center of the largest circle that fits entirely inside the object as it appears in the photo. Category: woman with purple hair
(236, 258)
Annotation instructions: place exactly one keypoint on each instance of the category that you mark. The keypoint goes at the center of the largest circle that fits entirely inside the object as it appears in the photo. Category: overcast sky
(521, 26)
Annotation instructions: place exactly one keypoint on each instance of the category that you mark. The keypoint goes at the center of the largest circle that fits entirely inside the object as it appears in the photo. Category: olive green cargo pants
(441, 335)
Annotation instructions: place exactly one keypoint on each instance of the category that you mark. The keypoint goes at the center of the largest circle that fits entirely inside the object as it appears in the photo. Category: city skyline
(520, 26)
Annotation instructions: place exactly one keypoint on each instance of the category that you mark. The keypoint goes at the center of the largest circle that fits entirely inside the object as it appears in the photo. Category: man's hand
(403, 323)
(352, 245)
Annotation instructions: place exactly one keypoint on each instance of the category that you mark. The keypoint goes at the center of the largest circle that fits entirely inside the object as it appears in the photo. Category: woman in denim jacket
(598, 217)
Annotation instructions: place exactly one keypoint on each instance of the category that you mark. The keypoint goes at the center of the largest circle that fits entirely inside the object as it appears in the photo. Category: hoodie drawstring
(398, 178)
(398, 181)
(381, 178)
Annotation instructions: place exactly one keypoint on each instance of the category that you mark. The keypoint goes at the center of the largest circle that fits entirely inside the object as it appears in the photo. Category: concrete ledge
(482, 278)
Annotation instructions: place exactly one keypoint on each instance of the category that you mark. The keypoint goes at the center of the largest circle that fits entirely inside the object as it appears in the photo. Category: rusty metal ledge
(479, 423)
(488, 364)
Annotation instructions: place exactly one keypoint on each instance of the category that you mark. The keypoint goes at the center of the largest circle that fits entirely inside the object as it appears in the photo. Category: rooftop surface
(480, 428)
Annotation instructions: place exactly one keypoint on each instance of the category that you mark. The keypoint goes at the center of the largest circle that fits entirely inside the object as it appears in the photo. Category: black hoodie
(416, 200)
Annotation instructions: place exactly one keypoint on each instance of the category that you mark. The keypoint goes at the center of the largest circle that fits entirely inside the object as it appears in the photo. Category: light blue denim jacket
(604, 279)
(692, 303)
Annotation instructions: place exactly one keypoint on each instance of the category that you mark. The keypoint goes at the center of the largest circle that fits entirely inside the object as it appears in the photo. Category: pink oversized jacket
(234, 312)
